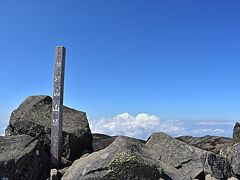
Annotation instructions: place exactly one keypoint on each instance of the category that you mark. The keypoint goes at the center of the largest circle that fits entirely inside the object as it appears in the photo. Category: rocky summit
(193, 161)
(125, 158)
(33, 117)
(24, 151)
(208, 143)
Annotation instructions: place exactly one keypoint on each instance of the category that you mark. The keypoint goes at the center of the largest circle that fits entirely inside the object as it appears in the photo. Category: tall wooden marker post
(57, 107)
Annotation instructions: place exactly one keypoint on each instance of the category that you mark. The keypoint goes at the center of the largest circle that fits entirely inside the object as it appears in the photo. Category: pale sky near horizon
(168, 64)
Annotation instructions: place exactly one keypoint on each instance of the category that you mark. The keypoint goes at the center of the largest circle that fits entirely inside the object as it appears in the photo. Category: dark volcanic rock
(33, 117)
(232, 153)
(22, 157)
(126, 158)
(98, 136)
(208, 143)
(171, 173)
(101, 141)
(188, 159)
(162, 157)
(123, 159)
(236, 133)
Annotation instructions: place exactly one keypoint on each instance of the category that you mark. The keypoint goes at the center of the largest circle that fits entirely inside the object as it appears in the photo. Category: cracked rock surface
(33, 117)
(123, 159)
(23, 158)
(208, 143)
(190, 160)
(232, 153)
(161, 157)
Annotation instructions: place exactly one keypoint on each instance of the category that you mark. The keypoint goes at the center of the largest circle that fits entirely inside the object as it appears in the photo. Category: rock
(98, 136)
(209, 177)
(208, 143)
(33, 117)
(62, 171)
(54, 175)
(188, 159)
(232, 153)
(22, 157)
(123, 159)
(232, 178)
(171, 173)
(236, 132)
(65, 162)
(101, 141)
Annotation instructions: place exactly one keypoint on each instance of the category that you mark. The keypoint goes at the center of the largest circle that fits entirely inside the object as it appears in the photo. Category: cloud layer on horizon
(143, 125)
(3, 123)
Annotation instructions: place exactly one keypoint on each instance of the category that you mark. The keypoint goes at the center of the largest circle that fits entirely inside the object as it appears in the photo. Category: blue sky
(176, 60)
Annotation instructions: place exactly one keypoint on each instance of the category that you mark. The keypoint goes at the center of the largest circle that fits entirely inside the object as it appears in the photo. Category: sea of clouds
(3, 123)
(143, 125)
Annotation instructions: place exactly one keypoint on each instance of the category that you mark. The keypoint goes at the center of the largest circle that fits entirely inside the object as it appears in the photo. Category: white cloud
(143, 125)
(139, 126)
(3, 123)
(214, 123)
(213, 130)
(2, 131)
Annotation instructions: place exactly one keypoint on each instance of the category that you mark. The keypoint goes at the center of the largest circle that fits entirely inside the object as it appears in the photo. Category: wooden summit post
(57, 107)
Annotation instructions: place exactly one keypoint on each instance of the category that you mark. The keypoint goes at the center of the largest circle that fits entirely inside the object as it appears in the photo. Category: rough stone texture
(232, 153)
(65, 162)
(208, 143)
(62, 171)
(232, 178)
(33, 117)
(171, 173)
(123, 159)
(23, 158)
(236, 133)
(188, 159)
(163, 157)
(209, 177)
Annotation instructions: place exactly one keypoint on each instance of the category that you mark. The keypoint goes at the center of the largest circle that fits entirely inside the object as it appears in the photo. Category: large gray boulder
(188, 159)
(22, 157)
(125, 158)
(33, 117)
(208, 143)
(232, 153)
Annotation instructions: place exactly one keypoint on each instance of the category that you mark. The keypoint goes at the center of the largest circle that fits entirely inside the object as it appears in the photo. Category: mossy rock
(125, 158)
